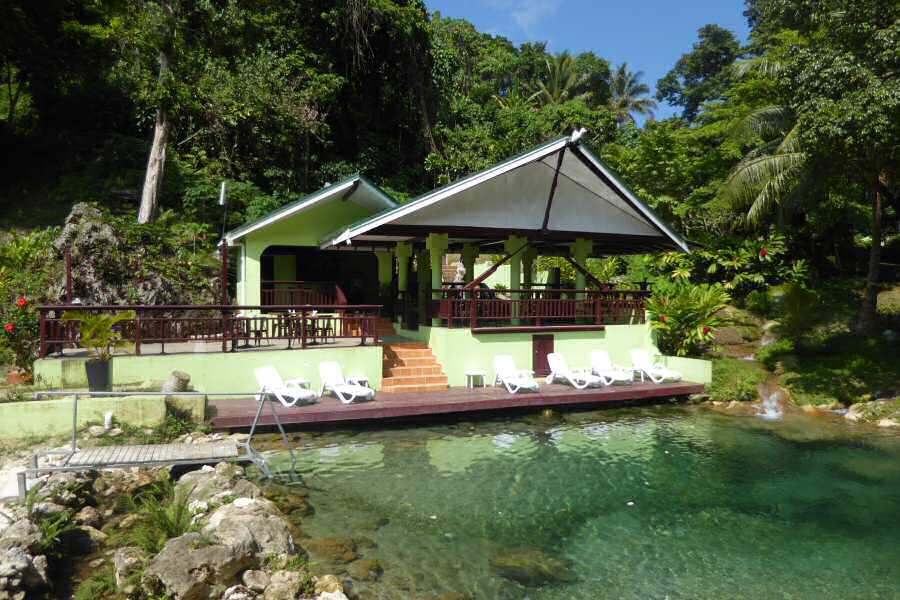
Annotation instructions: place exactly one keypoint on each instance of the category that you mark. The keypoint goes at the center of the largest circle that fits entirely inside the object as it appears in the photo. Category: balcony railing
(546, 308)
(234, 327)
(297, 293)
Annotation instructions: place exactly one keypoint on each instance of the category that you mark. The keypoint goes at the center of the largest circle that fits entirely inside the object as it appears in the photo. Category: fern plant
(163, 515)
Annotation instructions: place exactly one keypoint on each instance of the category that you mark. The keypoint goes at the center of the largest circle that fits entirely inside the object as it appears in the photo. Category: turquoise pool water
(665, 502)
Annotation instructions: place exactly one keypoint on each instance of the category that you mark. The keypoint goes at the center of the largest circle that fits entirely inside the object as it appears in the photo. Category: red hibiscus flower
(22, 302)
(763, 253)
(663, 318)
(9, 327)
(706, 330)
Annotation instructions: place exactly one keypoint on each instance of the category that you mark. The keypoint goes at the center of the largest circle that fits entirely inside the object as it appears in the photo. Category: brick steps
(411, 367)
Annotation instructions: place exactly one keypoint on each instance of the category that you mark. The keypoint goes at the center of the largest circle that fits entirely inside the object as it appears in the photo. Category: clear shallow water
(664, 502)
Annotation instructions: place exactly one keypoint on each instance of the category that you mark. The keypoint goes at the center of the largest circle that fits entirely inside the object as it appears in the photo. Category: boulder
(22, 534)
(190, 568)
(239, 592)
(255, 580)
(127, 561)
(89, 538)
(254, 525)
(332, 596)
(328, 583)
(334, 549)
(530, 566)
(21, 572)
(89, 516)
(365, 569)
(220, 484)
(284, 585)
(888, 423)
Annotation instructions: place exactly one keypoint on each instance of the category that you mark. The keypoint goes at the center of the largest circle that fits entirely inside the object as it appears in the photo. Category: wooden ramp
(150, 455)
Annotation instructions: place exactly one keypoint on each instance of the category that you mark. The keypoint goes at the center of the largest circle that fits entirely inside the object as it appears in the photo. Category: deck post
(42, 328)
(580, 249)
(436, 244)
(512, 245)
(137, 331)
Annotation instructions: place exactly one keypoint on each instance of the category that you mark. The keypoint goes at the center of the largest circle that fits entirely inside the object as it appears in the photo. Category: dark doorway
(355, 272)
(541, 346)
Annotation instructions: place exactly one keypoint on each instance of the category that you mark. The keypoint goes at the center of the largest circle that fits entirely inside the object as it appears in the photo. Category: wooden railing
(231, 326)
(484, 308)
(297, 293)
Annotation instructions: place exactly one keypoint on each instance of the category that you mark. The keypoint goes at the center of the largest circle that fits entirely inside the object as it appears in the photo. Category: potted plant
(20, 336)
(99, 335)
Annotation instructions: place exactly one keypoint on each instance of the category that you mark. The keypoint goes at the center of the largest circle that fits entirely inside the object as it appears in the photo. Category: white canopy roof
(553, 194)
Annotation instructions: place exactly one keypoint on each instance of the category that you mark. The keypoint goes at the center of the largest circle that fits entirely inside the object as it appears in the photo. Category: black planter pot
(97, 375)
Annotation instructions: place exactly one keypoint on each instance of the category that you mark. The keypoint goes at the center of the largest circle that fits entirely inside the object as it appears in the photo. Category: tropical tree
(561, 81)
(626, 95)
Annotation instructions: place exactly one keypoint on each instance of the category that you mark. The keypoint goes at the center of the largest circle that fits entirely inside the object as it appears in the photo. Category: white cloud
(526, 13)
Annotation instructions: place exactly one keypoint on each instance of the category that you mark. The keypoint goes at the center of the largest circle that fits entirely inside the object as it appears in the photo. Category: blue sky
(648, 34)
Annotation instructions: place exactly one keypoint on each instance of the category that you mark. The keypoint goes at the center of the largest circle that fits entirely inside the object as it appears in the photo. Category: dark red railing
(480, 308)
(232, 326)
(297, 293)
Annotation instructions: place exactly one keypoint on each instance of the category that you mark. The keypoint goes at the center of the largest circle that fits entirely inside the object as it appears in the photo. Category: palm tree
(562, 81)
(626, 90)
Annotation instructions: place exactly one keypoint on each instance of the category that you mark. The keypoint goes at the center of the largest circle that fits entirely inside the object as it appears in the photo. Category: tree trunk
(868, 316)
(155, 166)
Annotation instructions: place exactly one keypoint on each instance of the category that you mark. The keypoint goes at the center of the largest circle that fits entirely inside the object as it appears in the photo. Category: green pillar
(403, 252)
(385, 273)
(437, 244)
(423, 293)
(580, 250)
(512, 244)
(528, 256)
(469, 254)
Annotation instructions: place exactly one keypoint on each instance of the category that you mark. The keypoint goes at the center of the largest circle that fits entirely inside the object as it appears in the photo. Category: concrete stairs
(411, 367)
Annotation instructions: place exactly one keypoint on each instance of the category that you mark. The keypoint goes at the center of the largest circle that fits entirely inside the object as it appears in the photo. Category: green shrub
(760, 302)
(687, 317)
(735, 379)
(770, 354)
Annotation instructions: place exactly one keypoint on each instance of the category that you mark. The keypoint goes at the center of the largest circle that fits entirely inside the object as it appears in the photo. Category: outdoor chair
(643, 364)
(346, 390)
(577, 378)
(513, 379)
(289, 392)
(603, 367)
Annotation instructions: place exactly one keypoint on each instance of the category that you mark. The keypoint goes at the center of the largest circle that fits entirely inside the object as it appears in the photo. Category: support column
(512, 244)
(528, 256)
(580, 250)
(437, 244)
(253, 273)
(385, 274)
(423, 291)
(403, 252)
(469, 254)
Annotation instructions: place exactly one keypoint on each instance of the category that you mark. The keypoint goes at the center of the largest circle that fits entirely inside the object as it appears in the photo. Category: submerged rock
(531, 566)
(365, 569)
(328, 583)
(336, 549)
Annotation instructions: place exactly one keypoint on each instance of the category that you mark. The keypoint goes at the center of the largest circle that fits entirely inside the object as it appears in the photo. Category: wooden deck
(149, 455)
(228, 414)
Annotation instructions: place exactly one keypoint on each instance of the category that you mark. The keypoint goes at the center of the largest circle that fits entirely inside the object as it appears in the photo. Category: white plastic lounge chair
(603, 367)
(289, 393)
(513, 379)
(642, 363)
(346, 390)
(577, 378)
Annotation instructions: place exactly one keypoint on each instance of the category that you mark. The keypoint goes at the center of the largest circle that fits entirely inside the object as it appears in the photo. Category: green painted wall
(458, 350)
(54, 417)
(304, 229)
(216, 372)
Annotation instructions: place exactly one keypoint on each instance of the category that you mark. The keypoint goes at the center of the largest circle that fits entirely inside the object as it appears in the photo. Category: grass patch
(173, 427)
(735, 379)
(101, 584)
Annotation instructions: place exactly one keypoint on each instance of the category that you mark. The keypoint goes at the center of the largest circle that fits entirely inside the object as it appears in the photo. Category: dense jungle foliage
(782, 168)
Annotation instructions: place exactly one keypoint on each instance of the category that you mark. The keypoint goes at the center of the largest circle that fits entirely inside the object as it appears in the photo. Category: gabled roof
(555, 192)
(355, 189)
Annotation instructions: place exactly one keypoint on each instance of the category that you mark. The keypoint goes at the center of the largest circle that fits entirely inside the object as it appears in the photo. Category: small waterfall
(772, 398)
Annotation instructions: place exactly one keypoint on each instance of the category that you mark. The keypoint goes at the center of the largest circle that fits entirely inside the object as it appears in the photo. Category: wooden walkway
(150, 455)
(238, 413)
